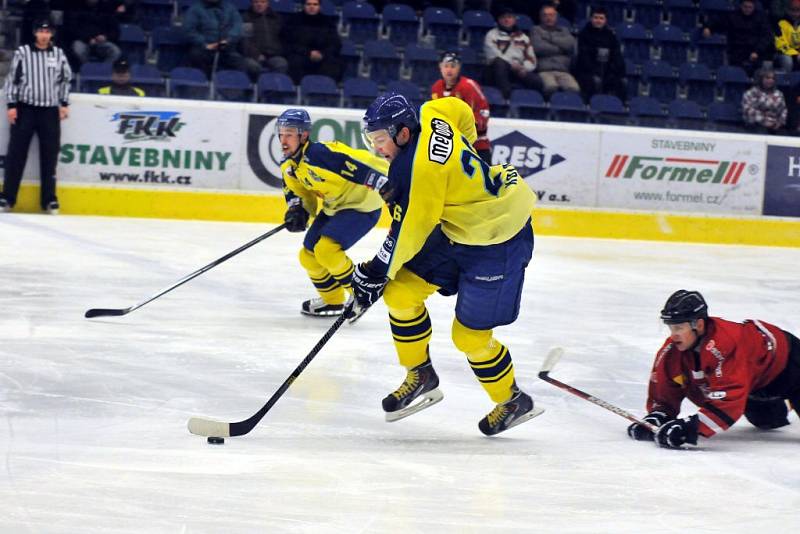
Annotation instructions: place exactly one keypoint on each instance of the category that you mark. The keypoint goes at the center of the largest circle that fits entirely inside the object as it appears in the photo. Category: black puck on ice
(216, 441)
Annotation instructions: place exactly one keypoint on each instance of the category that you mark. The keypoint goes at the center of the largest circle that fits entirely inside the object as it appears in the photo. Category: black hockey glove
(675, 433)
(641, 432)
(367, 285)
(296, 217)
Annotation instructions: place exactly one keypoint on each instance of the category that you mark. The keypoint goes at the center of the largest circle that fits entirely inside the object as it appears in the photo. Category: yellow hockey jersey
(438, 178)
(342, 177)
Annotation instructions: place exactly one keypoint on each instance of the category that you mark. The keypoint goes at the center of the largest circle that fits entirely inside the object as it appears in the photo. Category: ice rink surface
(93, 412)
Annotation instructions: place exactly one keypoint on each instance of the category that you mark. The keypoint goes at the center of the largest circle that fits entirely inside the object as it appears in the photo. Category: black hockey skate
(515, 411)
(318, 308)
(421, 387)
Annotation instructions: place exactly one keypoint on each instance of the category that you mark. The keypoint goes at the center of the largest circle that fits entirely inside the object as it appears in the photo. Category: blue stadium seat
(443, 25)
(682, 13)
(647, 111)
(497, 104)
(382, 59)
(698, 81)
(188, 82)
(400, 23)
(276, 88)
(648, 13)
(318, 90)
(528, 104)
(661, 80)
(633, 74)
(733, 82)
(149, 79)
(711, 50)
(607, 109)
(326, 8)
(725, 116)
(359, 92)
(409, 90)
(93, 75)
(361, 21)
(524, 22)
(284, 7)
(154, 13)
(471, 65)
(133, 43)
(686, 114)
(170, 45)
(672, 42)
(424, 64)
(568, 107)
(635, 41)
(232, 86)
(476, 24)
(351, 59)
(712, 10)
(241, 5)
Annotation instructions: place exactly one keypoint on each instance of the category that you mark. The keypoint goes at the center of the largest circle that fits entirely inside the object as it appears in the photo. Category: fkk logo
(147, 125)
(528, 156)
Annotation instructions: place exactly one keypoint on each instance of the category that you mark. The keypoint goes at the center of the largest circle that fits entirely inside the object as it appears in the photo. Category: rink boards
(183, 159)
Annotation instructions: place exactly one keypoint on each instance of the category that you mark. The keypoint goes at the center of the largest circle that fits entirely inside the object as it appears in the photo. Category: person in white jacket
(509, 55)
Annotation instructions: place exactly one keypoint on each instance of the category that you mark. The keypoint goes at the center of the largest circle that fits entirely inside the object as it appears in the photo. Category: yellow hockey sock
(490, 360)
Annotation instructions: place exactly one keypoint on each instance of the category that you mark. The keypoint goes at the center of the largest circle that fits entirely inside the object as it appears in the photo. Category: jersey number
(471, 162)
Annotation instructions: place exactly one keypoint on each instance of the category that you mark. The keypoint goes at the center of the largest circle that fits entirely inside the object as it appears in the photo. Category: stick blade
(550, 361)
(200, 426)
(104, 312)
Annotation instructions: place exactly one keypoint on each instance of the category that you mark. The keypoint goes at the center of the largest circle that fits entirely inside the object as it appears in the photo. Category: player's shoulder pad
(323, 155)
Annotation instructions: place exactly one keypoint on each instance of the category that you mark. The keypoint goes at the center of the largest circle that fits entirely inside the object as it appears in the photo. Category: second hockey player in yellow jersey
(459, 227)
(343, 180)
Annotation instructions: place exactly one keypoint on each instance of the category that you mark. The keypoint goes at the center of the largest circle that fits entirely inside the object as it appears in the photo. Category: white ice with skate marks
(93, 413)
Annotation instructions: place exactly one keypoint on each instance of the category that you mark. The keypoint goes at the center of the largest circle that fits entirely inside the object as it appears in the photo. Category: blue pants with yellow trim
(323, 255)
(488, 281)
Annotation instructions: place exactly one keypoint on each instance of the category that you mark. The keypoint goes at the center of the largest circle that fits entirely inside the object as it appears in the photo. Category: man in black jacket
(599, 67)
(262, 44)
(750, 37)
(95, 31)
(315, 43)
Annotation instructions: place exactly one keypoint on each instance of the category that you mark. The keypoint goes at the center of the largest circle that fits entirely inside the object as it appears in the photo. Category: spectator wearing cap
(37, 96)
(454, 84)
(95, 30)
(599, 67)
(509, 55)
(763, 105)
(556, 48)
(121, 81)
(748, 34)
(262, 45)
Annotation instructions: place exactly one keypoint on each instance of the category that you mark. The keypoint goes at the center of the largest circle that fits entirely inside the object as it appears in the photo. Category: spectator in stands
(750, 39)
(763, 105)
(468, 90)
(94, 28)
(126, 11)
(555, 47)
(315, 43)
(600, 67)
(121, 81)
(262, 45)
(509, 54)
(787, 38)
(213, 29)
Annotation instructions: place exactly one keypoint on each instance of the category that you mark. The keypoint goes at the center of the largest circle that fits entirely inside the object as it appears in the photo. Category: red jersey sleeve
(668, 384)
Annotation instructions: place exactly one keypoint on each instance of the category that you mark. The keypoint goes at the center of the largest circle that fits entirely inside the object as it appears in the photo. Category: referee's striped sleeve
(11, 88)
(64, 80)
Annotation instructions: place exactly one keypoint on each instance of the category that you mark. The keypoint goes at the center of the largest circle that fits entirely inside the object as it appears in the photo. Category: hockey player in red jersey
(727, 369)
(454, 84)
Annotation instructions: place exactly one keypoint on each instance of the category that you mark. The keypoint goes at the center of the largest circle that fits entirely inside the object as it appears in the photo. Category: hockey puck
(216, 441)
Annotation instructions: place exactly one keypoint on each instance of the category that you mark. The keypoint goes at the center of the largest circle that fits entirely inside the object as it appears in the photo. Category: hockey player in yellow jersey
(459, 227)
(343, 180)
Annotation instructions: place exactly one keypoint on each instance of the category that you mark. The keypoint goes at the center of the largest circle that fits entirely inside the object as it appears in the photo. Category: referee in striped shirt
(37, 93)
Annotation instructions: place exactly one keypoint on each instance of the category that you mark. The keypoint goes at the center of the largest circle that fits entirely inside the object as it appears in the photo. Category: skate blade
(535, 412)
(322, 314)
(427, 400)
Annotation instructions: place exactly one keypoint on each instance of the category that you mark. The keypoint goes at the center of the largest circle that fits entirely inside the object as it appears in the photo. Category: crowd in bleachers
(676, 63)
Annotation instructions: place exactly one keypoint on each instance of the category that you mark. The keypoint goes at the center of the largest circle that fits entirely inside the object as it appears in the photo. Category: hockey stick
(550, 361)
(208, 427)
(106, 312)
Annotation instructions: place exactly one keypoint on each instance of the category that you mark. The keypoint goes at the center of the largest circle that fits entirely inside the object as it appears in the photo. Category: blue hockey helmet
(684, 307)
(390, 112)
(294, 118)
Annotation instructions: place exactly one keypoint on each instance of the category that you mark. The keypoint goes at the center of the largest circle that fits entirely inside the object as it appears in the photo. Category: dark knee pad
(766, 414)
